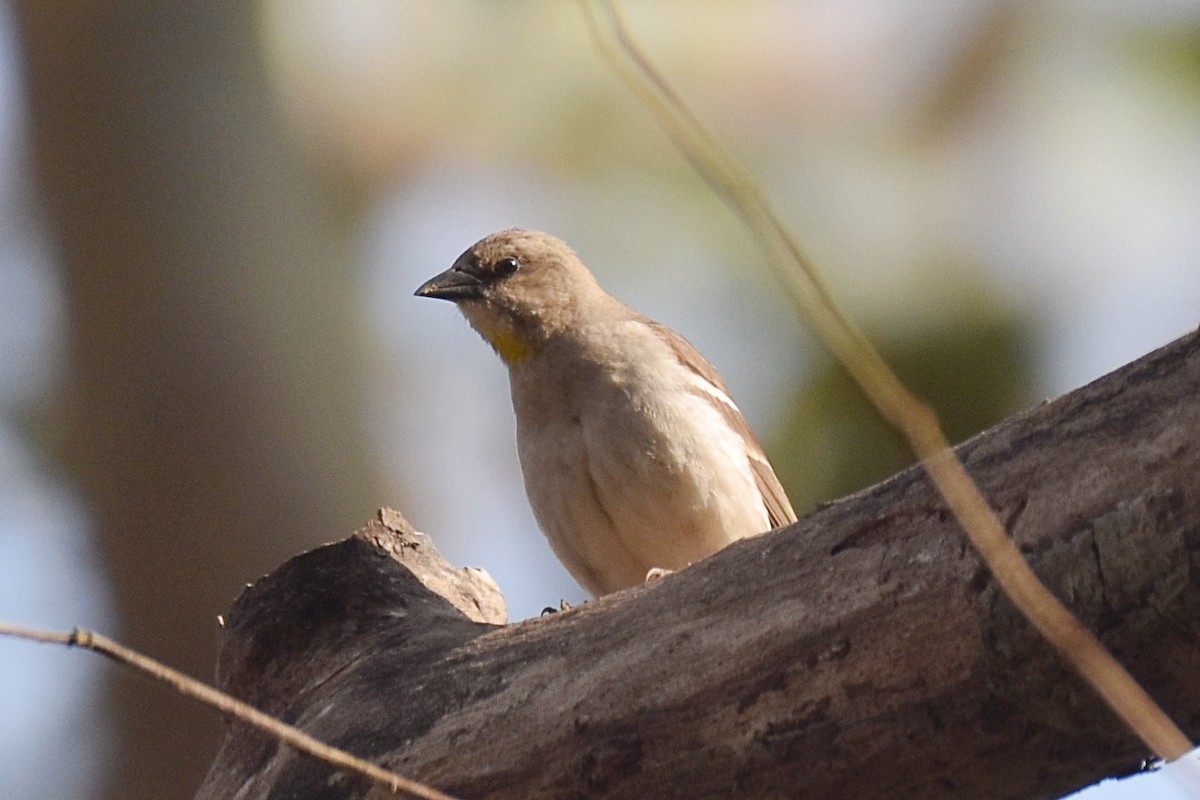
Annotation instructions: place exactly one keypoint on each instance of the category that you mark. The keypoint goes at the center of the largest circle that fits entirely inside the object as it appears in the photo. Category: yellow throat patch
(511, 347)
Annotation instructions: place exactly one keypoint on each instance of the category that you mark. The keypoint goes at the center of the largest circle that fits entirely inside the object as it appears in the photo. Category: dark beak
(453, 284)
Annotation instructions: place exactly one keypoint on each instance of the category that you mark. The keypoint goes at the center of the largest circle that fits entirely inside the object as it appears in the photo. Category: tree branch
(862, 652)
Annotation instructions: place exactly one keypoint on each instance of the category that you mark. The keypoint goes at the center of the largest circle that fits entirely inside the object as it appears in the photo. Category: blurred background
(213, 217)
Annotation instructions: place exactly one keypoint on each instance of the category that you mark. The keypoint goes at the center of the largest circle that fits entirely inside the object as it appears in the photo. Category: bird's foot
(563, 605)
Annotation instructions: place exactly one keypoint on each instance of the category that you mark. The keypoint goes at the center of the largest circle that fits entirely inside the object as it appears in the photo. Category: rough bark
(862, 652)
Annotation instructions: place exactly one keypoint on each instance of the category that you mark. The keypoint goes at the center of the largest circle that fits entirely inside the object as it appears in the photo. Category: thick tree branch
(862, 652)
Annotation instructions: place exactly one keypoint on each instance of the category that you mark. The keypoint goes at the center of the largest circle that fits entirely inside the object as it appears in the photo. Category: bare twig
(915, 420)
(191, 687)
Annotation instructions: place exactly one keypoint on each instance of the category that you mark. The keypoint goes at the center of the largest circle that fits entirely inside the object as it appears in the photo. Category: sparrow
(634, 456)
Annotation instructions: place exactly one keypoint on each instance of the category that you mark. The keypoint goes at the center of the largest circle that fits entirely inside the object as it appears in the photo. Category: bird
(634, 456)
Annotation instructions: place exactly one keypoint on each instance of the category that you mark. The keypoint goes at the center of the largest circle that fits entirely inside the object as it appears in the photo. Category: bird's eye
(506, 266)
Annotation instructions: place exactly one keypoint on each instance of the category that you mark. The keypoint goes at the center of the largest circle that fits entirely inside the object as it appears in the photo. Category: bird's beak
(453, 284)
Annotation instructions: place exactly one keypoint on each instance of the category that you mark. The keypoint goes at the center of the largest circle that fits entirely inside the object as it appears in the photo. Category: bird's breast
(626, 468)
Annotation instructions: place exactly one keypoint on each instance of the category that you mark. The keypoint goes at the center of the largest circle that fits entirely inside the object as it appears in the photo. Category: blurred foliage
(974, 371)
(1171, 54)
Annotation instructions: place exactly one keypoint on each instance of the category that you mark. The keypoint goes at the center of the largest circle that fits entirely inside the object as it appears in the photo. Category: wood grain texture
(862, 652)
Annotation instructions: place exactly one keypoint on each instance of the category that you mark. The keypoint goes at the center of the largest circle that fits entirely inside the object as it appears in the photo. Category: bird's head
(517, 288)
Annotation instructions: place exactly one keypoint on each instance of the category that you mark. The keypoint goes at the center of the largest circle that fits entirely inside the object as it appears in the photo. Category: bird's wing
(779, 508)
